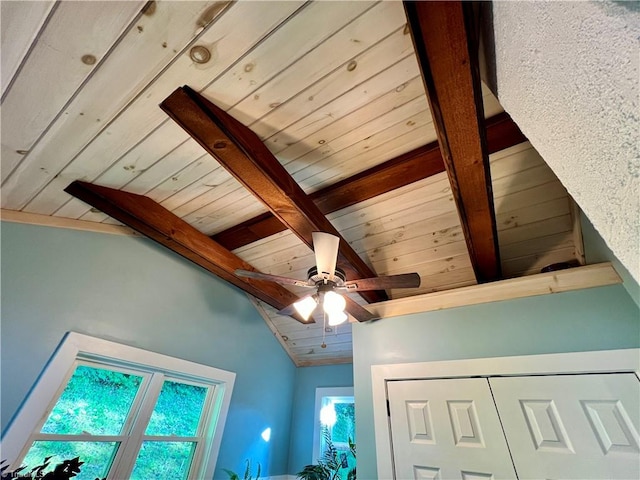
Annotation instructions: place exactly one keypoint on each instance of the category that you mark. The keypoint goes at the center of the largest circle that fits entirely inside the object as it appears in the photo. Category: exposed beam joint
(243, 154)
(398, 172)
(446, 45)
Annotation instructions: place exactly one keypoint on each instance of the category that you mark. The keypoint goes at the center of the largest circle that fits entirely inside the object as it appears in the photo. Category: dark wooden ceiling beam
(243, 154)
(502, 133)
(403, 170)
(446, 45)
(159, 224)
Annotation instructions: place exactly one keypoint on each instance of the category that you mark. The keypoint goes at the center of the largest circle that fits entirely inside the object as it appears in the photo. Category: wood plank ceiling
(335, 92)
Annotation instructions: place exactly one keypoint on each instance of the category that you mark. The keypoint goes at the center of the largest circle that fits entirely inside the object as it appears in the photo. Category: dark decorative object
(331, 464)
(63, 471)
(554, 267)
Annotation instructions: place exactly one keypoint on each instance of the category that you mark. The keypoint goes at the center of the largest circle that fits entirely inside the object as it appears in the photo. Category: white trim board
(606, 361)
(588, 276)
(75, 344)
(61, 222)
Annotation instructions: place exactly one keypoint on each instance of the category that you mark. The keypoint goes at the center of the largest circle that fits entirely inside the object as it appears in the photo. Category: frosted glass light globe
(333, 303)
(337, 318)
(305, 307)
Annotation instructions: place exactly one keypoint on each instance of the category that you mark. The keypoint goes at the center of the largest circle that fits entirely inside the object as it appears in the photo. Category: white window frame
(322, 392)
(605, 361)
(75, 347)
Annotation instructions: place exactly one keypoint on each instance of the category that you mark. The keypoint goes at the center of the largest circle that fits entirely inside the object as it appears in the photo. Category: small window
(335, 419)
(121, 417)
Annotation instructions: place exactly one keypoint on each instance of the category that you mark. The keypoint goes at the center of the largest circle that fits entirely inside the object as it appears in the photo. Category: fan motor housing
(338, 277)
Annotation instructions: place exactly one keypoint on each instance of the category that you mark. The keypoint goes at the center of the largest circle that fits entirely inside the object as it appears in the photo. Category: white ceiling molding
(61, 222)
(588, 276)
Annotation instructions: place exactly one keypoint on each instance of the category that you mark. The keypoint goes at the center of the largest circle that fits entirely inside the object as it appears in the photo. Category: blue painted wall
(595, 319)
(307, 380)
(131, 291)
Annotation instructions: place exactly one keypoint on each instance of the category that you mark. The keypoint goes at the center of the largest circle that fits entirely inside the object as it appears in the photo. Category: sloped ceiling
(334, 91)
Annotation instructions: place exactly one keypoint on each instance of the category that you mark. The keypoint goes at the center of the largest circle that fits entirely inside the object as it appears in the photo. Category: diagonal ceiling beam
(398, 172)
(159, 224)
(447, 49)
(243, 154)
(408, 168)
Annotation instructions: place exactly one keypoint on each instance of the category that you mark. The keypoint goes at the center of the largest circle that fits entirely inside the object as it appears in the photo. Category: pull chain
(324, 328)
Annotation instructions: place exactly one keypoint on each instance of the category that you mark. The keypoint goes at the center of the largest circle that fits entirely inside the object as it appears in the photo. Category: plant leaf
(232, 475)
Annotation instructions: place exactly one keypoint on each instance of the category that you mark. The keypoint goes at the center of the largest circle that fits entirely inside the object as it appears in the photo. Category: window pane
(177, 410)
(95, 401)
(340, 427)
(344, 428)
(163, 460)
(97, 456)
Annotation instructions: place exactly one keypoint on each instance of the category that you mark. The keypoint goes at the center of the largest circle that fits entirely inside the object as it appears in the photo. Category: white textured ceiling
(568, 74)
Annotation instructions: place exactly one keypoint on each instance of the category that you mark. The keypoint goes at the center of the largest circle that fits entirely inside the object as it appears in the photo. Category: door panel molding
(552, 435)
(466, 437)
(604, 361)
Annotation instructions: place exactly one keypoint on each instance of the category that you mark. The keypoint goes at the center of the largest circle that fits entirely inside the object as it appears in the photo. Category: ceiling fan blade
(325, 247)
(358, 312)
(384, 282)
(272, 278)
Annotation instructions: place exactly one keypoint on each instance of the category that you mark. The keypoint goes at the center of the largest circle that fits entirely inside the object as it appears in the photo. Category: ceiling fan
(328, 280)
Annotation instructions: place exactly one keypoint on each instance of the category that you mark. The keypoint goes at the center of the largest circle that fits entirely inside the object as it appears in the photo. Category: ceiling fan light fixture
(305, 307)
(333, 303)
(337, 318)
(326, 279)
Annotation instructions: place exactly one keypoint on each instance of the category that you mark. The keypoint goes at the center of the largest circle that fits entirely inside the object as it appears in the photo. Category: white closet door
(571, 426)
(446, 429)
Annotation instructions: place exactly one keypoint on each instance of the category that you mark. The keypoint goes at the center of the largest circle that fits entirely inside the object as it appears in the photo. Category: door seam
(504, 434)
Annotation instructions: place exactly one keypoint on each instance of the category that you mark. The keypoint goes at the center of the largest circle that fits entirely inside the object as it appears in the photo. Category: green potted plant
(331, 465)
(247, 473)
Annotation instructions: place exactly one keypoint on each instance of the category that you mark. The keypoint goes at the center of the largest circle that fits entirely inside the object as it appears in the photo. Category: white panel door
(446, 429)
(571, 426)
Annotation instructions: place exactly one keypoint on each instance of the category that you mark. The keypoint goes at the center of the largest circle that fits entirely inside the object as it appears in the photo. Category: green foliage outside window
(178, 410)
(344, 428)
(97, 456)
(82, 407)
(342, 435)
(95, 401)
(98, 402)
(158, 460)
